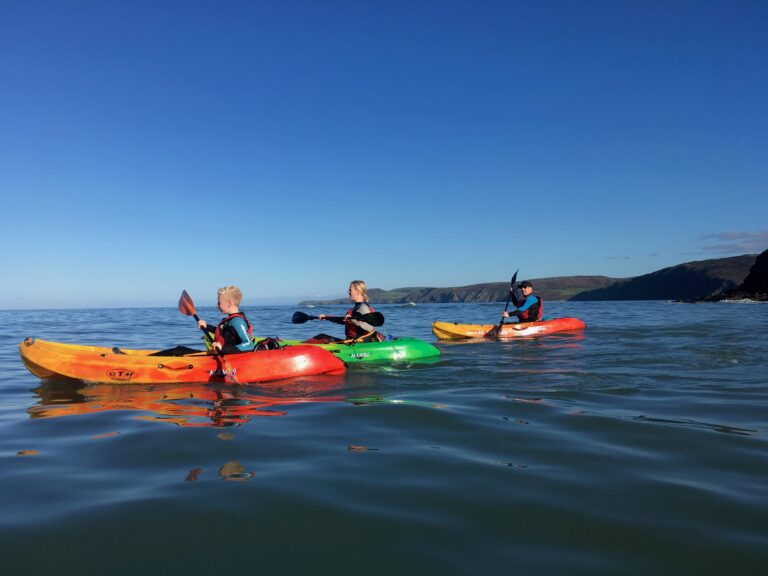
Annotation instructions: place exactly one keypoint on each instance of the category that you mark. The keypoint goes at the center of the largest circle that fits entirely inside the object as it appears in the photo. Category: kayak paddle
(300, 318)
(497, 331)
(375, 319)
(187, 307)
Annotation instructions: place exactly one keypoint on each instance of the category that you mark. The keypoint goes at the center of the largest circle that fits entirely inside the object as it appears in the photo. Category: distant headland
(743, 276)
(754, 286)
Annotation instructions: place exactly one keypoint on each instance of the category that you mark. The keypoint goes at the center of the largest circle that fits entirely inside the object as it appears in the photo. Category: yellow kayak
(455, 331)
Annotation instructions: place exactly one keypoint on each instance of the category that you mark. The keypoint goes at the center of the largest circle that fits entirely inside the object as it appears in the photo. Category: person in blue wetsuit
(528, 306)
(233, 333)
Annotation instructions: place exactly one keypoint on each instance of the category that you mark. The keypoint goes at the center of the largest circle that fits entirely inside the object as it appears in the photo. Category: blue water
(635, 447)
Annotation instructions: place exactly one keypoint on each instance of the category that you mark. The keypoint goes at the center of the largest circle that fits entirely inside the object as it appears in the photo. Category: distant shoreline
(687, 281)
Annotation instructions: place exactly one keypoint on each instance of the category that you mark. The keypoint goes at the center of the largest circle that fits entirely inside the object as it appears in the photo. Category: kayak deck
(395, 350)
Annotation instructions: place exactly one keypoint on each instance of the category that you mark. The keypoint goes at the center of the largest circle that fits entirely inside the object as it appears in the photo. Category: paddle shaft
(506, 306)
(373, 318)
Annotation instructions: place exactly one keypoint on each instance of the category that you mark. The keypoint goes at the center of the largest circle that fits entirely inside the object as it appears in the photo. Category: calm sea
(636, 447)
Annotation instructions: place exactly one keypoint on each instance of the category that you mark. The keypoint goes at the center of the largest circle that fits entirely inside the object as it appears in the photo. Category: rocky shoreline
(754, 287)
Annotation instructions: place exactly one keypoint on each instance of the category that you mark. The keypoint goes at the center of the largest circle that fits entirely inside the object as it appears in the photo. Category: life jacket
(352, 330)
(534, 313)
(222, 333)
(269, 344)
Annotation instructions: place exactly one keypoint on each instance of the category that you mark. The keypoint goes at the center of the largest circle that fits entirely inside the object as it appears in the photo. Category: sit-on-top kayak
(454, 331)
(111, 365)
(396, 350)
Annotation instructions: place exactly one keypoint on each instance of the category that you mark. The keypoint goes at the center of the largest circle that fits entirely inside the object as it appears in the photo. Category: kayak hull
(99, 364)
(454, 331)
(396, 350)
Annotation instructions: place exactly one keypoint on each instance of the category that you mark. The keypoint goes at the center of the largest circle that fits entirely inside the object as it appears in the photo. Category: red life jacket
(353, 330)
(220, 337)
(534, 313)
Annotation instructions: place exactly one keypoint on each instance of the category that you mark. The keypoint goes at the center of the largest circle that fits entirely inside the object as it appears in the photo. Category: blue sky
(290, 147)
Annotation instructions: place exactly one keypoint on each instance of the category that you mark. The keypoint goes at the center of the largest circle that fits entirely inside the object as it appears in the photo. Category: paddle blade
(186, 306)
(514, 278)
(300, 318)
(375, 319)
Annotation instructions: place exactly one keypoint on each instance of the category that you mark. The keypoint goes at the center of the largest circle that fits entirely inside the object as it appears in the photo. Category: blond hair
(232, 293)
(360, 285)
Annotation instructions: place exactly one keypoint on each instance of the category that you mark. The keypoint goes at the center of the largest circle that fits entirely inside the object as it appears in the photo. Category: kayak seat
(322, 339)
(175, 351)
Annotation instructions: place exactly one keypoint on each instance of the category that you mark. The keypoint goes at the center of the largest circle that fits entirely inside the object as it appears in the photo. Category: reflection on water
(696, 424)
(234, 471)
(573, 339)
(180, 404)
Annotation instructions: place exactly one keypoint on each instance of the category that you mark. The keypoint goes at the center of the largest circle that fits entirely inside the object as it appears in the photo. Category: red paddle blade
(186, 306)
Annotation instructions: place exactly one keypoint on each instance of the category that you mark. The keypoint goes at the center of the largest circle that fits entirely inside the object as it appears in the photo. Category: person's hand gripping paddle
(496, 332)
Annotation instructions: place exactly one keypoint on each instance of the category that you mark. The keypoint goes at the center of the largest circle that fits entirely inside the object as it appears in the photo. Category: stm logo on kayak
(121, 374)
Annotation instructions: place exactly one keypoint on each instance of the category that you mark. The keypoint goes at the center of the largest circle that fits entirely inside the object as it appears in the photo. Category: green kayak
(396, 350)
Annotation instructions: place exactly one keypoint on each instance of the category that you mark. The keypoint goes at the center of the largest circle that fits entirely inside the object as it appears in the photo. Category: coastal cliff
(559, 288)
(754, 287)
(688, 281)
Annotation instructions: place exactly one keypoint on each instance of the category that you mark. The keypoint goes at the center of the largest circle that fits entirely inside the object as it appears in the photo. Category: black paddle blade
(514, 278)
(375, 319)
(300, 318)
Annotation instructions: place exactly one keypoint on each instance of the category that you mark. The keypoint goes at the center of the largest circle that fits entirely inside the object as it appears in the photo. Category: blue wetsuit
(234, 330)
(523, 305)
(240, 328)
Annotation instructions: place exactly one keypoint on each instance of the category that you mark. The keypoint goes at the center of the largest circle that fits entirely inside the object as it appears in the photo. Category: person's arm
(530, 301)
(360, 310)
(515, 299)
(334, 319)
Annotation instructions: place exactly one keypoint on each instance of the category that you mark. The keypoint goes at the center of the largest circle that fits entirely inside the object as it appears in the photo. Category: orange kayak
(454, 331)
(107, 365)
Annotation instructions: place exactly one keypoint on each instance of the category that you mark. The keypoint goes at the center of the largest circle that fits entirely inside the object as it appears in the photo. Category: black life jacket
(534, 313)
(224, 336)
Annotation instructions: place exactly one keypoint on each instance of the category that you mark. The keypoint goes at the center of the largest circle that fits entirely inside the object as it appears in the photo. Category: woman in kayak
(354, 328)
(233, 334)
(528, 307)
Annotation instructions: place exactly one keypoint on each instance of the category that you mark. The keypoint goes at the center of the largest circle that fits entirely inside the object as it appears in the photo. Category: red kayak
(110, 365)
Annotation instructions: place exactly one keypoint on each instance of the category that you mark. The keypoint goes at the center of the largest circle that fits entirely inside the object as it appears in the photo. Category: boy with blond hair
(233, 333)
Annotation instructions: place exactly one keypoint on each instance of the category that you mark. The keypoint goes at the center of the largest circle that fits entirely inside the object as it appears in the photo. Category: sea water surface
(637, 446)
